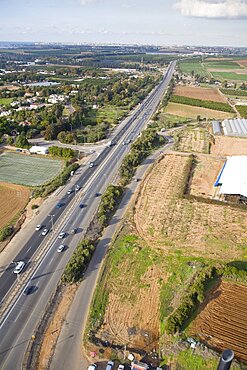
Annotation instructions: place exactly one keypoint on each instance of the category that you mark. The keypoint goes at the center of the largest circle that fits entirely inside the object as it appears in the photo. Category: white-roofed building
(233, 177)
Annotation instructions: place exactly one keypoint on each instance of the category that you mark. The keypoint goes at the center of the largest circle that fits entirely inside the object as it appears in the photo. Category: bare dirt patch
(223, 321)
(164, 218)
(242, 62)
(200, 93)
(52, 333)
(238, 71)
(193, 140)
(188, 111)
(204, 175)
(229, 146)
(13, 199)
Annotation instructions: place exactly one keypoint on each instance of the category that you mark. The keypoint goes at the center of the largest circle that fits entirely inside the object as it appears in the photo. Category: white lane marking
(51, 260)
(29, 248)
(16, 318)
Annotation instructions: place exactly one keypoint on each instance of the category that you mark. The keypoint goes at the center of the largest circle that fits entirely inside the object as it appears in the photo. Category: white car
(38, 227)
(92, 367)
(77, 187)
(70, 191)
(19, 267)
(60, 248)
(120, 367)
(61, 235)
(91, 164)
(109, 365)
(44, 232)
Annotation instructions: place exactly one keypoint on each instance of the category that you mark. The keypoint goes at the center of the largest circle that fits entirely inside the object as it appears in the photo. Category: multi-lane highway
(18, 323)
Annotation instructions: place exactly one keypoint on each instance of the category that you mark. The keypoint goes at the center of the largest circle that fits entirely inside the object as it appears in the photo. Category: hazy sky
(162, 22)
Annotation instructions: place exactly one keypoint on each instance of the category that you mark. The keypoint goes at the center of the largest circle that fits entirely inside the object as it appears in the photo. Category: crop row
(224, 107)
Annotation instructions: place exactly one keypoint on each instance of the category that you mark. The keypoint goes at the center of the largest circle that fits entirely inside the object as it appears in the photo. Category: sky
(159, 22)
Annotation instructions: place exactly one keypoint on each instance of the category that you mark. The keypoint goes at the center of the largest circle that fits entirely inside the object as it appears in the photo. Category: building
(235, 127)
(39, 150)
(232, 179)
(216, 128)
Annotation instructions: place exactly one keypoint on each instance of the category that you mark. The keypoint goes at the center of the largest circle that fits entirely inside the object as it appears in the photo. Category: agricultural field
(224, 146)
(190, 111)
(193, 140)
(13, 199)
(230, 76)
(27, 170)
(223, 319)
(188, 66)
(205, 173)
(211, 94)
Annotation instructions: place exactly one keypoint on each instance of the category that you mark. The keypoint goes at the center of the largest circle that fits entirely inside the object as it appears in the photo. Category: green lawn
(223, 65)
(6, 101)
(229, 76)
(28, 170)
(197, 67)
(111, 113)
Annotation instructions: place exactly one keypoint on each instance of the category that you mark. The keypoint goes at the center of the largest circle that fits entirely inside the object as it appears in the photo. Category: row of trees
(140, 149)
(109, 202)
(66, 153)
(78, 262)
(224, 107)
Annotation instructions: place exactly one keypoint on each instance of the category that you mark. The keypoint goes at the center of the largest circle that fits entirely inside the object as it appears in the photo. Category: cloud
(84, 2)
(213, 8)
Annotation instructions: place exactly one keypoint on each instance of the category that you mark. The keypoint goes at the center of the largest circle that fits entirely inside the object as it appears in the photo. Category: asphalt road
(17, 327)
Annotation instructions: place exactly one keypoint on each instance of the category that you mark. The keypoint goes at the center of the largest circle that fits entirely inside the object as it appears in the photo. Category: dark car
(73, 231)
(81, 205)
(59, 205)
(29, 289)
(97, 194)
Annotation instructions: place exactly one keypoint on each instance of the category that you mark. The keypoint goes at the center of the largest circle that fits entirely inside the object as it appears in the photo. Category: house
(39, 150)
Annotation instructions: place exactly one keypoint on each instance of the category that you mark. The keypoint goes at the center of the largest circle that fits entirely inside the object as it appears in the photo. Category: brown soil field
(242, 62)
(13, 199)
(238, 71)
(193, 140)
(9, 87)
(200, 93)
(229, 146)
(189, 111)
(164, 218)
(204, 175)
(222, 323)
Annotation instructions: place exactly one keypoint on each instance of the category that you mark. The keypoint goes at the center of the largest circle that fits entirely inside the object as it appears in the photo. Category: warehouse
(235, 127)
(232, 179)
(39, 150)
(216, 128)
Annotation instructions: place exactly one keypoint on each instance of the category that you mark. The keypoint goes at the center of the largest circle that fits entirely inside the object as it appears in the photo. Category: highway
(18, 324)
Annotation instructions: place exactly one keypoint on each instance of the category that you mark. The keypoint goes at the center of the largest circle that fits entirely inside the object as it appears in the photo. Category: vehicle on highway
(91, 164)
(81, 205)
(61, 248)
(97, 194)
(38, 227)
(29, 289)
(59, 205)
(120, 367)
(77, 187)
(73, 231)
(19, 267)
(126, 142)
(44, 232)
(109, 365)
(70, 191)
(61, 235)
(137, 179)
(92, 367)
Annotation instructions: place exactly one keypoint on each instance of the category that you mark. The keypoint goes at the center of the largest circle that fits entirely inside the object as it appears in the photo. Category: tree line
(224, 107)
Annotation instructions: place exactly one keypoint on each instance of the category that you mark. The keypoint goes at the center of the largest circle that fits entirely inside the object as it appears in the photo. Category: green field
(27, 170)
(229, 76)
(223, 64)
(196, 66)
(6, 101)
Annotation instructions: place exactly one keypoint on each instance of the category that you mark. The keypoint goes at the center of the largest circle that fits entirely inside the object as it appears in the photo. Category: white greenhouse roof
(234, 176)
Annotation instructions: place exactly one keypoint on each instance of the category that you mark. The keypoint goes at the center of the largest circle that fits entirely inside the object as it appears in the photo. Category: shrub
(109, 202)
(6, 232)
(34, 206)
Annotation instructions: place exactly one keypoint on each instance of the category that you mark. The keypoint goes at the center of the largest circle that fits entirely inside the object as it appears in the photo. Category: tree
(21, 141)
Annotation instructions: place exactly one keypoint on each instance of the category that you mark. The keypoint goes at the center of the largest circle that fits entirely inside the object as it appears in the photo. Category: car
(61, 235)
(59, 205)
(44, 232)
(70, 191)
(92, 367)
(126, 142)
(109, 365)
(81, 205)
(73, 231)
(77, 187)
(61, 248)
(19, 267)
(38, 227)
(91, 164)
(29, 289)
(137, 179)
(97, 194)
(120, 367)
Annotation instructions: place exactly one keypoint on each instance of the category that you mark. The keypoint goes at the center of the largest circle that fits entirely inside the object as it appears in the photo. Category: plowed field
(189, 111)
(13, 198)
(200, 93)
(193, 140)
(223, 321)
(229, 146)
(163, 217)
